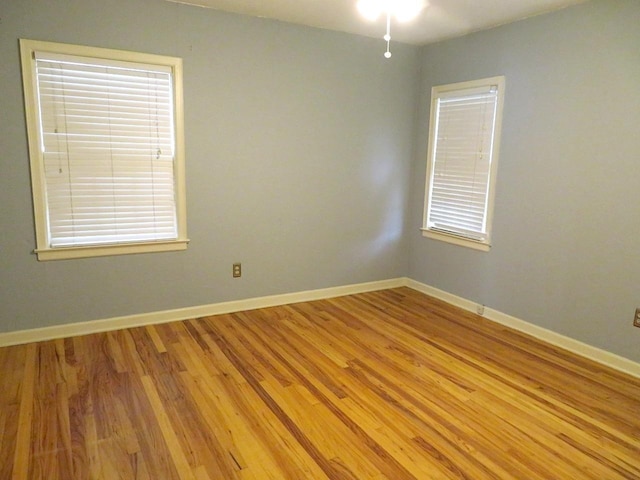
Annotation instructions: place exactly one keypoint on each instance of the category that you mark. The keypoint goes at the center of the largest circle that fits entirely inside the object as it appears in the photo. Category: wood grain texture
(382, 385)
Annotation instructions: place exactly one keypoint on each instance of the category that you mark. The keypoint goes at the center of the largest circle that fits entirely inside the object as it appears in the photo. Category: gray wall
(298, 142)
(566, 236)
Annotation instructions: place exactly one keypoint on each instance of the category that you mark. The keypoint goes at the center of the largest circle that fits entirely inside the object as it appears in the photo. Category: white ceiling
(441, 19)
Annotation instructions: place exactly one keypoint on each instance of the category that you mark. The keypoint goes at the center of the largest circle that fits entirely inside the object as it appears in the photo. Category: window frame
(447, 90)
(43, 250)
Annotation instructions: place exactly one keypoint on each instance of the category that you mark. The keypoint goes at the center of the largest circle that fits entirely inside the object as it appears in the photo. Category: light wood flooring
(384, 385)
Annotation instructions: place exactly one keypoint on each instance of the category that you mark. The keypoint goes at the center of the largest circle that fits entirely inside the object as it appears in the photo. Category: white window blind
(461, 161)
(108, 142)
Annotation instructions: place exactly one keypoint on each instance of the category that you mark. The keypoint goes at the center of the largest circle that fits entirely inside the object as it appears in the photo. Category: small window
(106, 150)
(464, 138)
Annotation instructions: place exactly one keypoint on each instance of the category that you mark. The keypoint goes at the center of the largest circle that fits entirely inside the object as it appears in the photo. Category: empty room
(341, 239)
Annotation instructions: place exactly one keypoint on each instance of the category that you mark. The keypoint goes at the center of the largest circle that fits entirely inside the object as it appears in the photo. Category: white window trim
(443, 90)
(28, 49)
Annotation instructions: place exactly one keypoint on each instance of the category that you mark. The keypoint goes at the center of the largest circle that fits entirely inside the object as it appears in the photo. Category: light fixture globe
(371, 9)
(406, 10)
(402, 10)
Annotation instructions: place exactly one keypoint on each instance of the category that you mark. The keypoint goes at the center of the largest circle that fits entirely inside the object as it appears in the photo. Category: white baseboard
(138, 320)
(95, 326)
(592, 353)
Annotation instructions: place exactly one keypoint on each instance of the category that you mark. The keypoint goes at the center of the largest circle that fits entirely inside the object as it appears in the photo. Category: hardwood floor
(383, 385)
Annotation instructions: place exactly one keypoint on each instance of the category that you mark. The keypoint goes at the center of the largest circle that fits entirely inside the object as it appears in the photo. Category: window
(464, 138)
(106, 150)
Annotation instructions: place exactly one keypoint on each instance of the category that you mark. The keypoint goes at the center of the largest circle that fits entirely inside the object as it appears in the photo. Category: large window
(464, 139)
(106, 150)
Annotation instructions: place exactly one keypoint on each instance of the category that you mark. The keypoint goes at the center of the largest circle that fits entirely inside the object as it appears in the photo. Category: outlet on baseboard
(636, 319)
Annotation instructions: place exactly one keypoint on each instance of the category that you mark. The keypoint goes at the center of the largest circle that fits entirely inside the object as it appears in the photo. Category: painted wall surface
(566, 233)
(298, 142)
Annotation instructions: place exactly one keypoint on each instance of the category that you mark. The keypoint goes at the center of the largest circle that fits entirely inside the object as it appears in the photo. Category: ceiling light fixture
(402, 10)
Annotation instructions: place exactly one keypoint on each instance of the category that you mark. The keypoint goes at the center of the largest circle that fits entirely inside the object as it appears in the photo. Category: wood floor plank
(389, 385)
(175, 449)
(12, 361)
(24, 445)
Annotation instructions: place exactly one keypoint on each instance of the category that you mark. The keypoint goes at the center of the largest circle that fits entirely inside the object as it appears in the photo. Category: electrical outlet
(636, 319)
(237, 270)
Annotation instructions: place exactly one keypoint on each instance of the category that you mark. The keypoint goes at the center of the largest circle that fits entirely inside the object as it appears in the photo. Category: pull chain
(387, 37)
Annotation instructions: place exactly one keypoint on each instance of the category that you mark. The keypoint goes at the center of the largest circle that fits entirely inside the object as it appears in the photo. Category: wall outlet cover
(237, 270)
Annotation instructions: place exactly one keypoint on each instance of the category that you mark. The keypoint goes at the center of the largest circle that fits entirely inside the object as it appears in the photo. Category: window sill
(456, 240)
(64, 253)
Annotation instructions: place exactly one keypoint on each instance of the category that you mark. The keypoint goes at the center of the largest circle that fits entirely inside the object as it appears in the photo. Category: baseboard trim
(579, 348)
(138, 320)
(95, 326)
